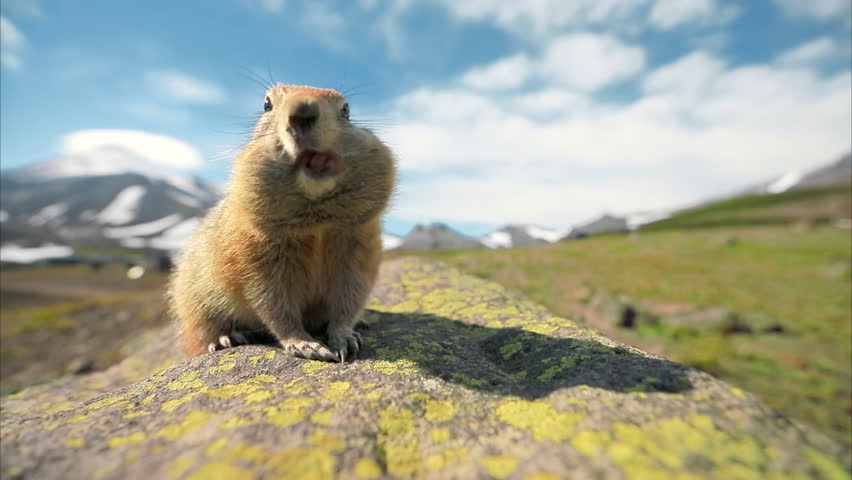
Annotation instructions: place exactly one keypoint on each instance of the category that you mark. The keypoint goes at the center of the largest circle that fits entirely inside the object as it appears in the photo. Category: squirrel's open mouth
(319, 164)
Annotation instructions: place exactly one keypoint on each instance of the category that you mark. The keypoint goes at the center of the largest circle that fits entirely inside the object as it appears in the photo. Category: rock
(460, 378)
(80, 365)
(619, 311)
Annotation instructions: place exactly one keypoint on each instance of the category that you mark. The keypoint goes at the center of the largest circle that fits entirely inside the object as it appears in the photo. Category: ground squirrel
(293, 248)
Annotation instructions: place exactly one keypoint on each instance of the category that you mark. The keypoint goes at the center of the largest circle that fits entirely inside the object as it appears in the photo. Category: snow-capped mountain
(511, 236)
(437, 236)
(835, 173)
(104, 197)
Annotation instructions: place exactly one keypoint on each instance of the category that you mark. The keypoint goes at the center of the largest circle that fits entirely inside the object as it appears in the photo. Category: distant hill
(820, 194)
(511, 236)
(605, 224)
(437, 236)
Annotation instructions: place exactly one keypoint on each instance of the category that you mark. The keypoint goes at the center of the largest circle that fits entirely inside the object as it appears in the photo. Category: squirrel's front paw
(310, 350)
(228, 341)
(347, 344)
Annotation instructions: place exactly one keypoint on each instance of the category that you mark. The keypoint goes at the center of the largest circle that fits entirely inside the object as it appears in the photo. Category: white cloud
(817, 9)
(551, 101)
(507, 73)
(581, 61)
(687, 77)
(540, 17)
(325, 24)
(539, 20)
(323, 18)
(186, 88)
(29, 8)
(543, 17)
(698, 128)
(668, 14)
(589, 61)
(811, 52)
(268, 6)
(12, 41)
(157, 149)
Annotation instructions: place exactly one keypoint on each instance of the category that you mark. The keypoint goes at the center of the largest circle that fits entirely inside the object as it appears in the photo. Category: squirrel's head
(310, 162)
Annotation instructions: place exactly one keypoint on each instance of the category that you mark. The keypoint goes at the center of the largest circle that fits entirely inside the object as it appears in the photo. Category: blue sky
(543, 111)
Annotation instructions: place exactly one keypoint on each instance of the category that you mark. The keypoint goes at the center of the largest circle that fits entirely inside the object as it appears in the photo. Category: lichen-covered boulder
(460, 378)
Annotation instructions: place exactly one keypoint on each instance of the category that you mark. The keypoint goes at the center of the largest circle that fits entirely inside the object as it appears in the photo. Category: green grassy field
(800, 277)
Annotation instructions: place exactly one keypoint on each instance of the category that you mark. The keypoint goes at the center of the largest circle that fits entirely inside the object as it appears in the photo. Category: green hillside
(814, 205)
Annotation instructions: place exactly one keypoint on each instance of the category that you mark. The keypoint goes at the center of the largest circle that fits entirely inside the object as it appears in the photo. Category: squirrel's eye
(344, 112)
(267, 105)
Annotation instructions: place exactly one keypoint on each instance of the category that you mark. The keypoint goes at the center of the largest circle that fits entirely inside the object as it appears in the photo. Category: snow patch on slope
(143, 229)
(177, 236)
(539, 233)
(389, 242)
(48, 213)
(123, 207)
(14, 253)
(185, 199)
(784, 182)
(497, 239)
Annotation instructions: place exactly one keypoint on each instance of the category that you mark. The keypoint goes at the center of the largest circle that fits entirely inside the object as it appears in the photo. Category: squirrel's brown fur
(293, 248)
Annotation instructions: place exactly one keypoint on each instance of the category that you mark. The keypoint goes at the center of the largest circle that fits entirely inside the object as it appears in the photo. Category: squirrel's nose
(305, 115)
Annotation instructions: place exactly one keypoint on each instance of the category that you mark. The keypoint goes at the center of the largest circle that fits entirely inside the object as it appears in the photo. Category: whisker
(254, 77)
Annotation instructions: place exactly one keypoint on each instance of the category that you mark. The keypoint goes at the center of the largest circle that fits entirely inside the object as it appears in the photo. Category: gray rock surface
(460, 378)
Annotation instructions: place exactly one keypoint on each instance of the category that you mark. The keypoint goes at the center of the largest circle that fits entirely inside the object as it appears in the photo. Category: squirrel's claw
(311, 351)
(347, 345)
(227, 341)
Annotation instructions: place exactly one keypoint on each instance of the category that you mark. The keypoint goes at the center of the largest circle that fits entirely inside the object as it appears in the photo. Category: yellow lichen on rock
(263, 378)
(235, 422)
(395, 421)
(439, 410)
(439, 435)
(226, 362)
(448, 457)
(75, 442)
(367, 469)
(322, 438)
(116, 442)
(500, 466)
(302, 464)
(135, 414)
(185, 381)
(180, 465)
(171, 405)
(337, 391)
(192, 421)
(540, 418)
(403, 458)
(288, 412)
(107, 402)
(255, 359)
(542, 476)
(219, 469)
(311, 366)
(402, 366)
(322, 418)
